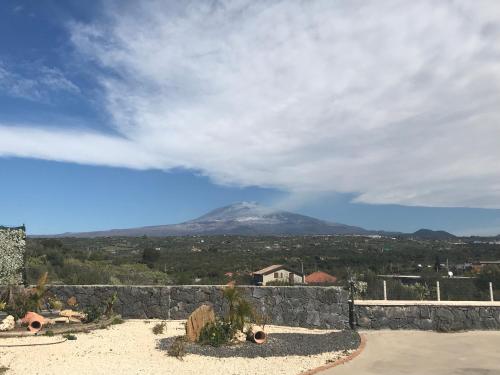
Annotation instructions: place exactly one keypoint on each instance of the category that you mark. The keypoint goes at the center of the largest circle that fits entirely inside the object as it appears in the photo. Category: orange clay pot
(35, 321)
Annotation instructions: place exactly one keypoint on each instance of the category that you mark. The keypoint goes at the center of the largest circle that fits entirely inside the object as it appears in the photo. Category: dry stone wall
(318, 307)
(12, 249)
(421, 317)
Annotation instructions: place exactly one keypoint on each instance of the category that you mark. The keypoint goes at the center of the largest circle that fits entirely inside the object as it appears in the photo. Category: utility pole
(302, 270)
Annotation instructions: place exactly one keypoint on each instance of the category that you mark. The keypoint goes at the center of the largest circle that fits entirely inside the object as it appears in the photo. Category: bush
(240, 311)
(218, 333)
(178, 348)
(159, 328)
(117, 320)
(69, 336)
(93, 313)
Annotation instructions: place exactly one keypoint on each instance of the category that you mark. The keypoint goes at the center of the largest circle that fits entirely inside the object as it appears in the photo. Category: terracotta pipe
(259, 337)
(35, 321)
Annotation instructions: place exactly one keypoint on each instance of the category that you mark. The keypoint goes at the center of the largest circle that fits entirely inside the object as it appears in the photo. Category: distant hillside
(242, 218)
(428, 234)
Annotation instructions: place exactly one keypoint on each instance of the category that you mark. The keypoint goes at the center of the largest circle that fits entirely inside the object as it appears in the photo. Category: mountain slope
(244, 218)
(428, 234)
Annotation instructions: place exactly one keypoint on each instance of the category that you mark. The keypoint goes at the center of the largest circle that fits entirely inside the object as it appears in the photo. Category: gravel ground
(132, 348)
(277, 345)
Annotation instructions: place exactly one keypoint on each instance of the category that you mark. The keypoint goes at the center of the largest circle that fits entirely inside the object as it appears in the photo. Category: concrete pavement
(425, 353)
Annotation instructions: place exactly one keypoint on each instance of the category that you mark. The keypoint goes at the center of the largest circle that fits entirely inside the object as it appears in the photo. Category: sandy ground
(422, 353)
(130, 348)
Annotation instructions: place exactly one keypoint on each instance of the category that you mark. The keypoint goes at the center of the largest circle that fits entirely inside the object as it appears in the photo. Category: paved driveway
(426, 353)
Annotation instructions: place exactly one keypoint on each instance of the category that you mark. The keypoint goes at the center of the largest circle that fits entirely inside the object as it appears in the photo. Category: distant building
(195, 249)
(277, 273)
(477, 266)
(320, 277)
(12, 252)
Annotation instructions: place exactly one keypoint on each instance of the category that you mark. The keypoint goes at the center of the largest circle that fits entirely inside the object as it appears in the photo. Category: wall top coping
(192, 286)
(427, 303)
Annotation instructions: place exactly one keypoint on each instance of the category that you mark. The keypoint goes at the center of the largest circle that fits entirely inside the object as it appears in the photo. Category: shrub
(69, 336)
(55, 304)
(178, 348)
(240, 311)
(109, 304)
(49, 333)
(219, 333)
(159, 328)
(93, 313)
(117, 320)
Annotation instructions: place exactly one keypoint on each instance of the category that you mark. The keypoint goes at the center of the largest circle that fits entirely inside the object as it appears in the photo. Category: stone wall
(320, 307)
(442, 317)
(12, 249)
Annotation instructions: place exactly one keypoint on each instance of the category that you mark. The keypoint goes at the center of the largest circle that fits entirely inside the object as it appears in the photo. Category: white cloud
(396, 101)
(35, 82)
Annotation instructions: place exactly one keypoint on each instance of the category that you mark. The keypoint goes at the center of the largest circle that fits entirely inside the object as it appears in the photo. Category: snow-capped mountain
(242, 218)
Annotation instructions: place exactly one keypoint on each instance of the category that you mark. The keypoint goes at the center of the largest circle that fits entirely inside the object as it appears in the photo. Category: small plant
(49, 333)
(93, 313)
(55, 304)
(3, 305)
(218, 333)
(109, 305)
(69, 336)
(117, 320)
(4, 369)
(159, 328)
(240, 311)
(178, 348)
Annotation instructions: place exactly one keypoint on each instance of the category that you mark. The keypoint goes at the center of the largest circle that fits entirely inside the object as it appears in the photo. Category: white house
(277, 273)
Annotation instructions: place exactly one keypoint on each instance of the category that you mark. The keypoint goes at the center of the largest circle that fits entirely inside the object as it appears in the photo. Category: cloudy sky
(384, 114)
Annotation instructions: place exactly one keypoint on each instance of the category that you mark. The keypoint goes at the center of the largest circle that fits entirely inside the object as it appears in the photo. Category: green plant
(159, 328)
(218, 333)
(178, 348)
(49, 333)
(93, 313)
(69, 336)
(3, 305)
(109, 304)
(117, 320)
(240, 311)
(55, 304)
(37, 294)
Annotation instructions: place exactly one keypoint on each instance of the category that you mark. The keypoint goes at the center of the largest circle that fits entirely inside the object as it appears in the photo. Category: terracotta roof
(319, 277)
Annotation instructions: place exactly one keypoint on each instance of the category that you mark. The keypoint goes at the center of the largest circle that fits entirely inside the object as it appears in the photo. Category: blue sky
(118, 114)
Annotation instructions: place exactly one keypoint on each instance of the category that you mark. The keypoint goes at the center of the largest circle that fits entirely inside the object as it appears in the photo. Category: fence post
(385, 291)
(491, 292)
(438, 291)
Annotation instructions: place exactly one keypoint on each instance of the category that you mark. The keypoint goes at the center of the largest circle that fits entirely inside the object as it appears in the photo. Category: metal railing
(431, 290)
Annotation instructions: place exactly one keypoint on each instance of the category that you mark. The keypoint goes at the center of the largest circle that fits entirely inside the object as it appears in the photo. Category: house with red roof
(320, 277)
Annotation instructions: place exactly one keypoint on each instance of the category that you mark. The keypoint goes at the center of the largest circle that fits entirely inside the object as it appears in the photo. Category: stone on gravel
(197, 320)
(8, 323)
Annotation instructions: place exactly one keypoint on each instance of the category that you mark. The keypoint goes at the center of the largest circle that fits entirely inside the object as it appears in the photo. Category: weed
(93, 313)
(69, 336)
(117, 320)
(49, 333)
(178, 348)
(159, 328)
(4, 369)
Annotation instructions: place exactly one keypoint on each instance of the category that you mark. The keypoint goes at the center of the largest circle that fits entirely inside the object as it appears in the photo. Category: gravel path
(278, 345)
